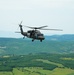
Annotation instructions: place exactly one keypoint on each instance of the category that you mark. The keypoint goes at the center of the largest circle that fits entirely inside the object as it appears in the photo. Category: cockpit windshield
(40, 34)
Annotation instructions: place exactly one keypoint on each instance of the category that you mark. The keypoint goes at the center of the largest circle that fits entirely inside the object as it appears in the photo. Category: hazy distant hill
(52, 44)
(67, 37)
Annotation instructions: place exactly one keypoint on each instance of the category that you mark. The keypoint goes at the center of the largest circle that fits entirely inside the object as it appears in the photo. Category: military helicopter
(34, 34)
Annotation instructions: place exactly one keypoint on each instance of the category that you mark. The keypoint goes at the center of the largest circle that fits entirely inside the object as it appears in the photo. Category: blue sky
(57, 14)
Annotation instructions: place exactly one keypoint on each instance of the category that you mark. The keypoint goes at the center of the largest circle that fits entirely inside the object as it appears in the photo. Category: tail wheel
(23, 37)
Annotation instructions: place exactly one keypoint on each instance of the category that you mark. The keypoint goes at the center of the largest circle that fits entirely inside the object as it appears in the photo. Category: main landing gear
(33, 40)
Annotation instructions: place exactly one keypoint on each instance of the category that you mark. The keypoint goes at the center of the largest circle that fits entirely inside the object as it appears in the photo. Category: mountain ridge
(19, 46)
(65, 37)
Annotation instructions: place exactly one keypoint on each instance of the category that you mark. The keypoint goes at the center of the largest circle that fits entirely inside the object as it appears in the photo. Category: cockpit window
(40, 34)
(29, 31)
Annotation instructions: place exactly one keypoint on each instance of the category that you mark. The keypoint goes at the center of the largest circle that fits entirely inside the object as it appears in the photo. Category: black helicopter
(35, 34)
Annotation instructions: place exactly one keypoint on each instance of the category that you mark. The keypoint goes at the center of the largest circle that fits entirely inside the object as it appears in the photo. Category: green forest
(13, 46)
(44, 61)
(24, 57)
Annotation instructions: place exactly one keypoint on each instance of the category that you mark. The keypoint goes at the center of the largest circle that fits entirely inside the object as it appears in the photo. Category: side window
(28, 34)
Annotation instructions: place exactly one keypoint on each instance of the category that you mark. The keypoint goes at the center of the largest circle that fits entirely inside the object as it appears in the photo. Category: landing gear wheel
(32, 40)
(40, 40)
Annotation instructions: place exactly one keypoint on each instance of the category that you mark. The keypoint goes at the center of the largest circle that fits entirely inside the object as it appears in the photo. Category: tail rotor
(20, 25)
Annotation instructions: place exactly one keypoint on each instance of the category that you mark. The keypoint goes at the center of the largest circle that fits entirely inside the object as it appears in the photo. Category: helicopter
(34, 34)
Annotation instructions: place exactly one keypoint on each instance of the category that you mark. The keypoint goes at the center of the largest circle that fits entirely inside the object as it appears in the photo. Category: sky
(56, 14)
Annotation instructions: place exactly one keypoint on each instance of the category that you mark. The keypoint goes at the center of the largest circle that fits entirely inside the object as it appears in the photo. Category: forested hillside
(25, 46)
(38, 64)
(55, 56)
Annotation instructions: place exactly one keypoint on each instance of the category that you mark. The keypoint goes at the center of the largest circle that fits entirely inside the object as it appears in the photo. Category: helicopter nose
(41, 37)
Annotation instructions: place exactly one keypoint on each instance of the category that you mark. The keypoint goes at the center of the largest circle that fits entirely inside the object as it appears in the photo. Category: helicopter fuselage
(34, 34)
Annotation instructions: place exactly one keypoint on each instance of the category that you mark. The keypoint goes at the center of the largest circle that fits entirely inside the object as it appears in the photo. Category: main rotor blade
(36, 27)
(29, 27)
(42, 27)
(53, 29)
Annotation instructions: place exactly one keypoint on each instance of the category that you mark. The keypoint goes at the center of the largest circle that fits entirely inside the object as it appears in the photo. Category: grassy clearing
(39, 71)
(49, 62)
(71, 74)
(57, 71)
(6, 73)
(17, 72)
(62, 71)
(67, 58)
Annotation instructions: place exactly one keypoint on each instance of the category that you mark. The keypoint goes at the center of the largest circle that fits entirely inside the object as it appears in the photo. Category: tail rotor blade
(20, 23)
(17, 27)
